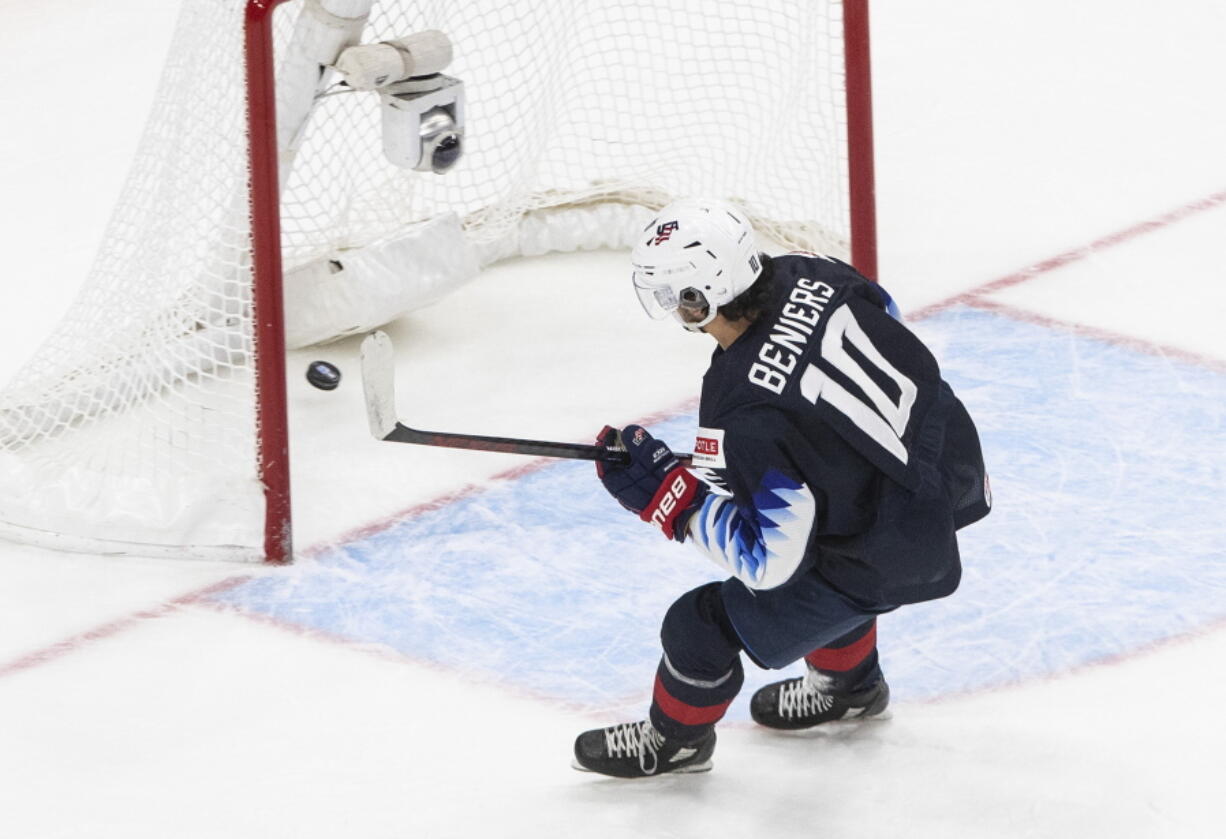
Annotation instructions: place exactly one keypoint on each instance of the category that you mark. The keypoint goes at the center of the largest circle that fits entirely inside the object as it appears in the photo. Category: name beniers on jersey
(779, 355)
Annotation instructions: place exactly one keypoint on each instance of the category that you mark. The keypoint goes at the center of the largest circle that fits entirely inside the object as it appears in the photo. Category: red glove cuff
(674, 497)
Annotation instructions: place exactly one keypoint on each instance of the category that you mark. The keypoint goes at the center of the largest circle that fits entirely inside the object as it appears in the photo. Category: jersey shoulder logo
(709, 448)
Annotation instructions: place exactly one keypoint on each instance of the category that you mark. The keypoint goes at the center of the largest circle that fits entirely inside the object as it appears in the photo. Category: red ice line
(108, 630)
(975, 297)
(1105, 335)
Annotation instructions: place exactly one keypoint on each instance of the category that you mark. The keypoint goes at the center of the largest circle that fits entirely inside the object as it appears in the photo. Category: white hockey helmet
(695, 254)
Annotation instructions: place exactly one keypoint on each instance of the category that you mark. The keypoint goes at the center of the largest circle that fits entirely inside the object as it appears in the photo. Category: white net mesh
(134, 427)
(571, 99)
(134, 422)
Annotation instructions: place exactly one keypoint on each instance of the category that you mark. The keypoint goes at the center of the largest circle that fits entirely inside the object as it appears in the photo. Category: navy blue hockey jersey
(839, 448)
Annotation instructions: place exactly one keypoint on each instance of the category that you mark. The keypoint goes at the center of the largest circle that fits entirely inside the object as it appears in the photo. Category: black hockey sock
(700, 672)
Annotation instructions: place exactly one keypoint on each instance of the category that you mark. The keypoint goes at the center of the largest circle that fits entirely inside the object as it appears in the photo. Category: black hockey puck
(323, 375)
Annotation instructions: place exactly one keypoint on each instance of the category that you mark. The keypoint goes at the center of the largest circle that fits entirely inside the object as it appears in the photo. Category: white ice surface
(1007, 133)
(200, 725)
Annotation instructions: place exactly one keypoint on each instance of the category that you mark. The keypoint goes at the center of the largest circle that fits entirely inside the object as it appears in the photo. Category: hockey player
(836, 467)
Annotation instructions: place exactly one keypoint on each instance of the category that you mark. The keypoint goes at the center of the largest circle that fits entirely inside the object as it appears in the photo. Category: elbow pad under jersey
(762, 545)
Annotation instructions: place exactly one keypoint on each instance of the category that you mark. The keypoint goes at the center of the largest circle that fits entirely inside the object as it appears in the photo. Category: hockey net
(137, 426)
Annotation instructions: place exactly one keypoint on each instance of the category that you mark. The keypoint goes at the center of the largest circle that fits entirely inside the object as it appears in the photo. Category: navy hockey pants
(704, 631)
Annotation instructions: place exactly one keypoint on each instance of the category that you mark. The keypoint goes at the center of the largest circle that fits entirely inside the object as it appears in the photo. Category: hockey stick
(378, 383)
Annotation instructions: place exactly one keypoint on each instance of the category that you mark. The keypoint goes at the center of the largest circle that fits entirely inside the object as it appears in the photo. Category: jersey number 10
(881, 417)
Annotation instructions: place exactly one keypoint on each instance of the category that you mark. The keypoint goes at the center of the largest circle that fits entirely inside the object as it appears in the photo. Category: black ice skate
(637, 750)
(808, 701)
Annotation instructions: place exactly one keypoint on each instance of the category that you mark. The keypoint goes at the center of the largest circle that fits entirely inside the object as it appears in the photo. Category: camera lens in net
(446, 152)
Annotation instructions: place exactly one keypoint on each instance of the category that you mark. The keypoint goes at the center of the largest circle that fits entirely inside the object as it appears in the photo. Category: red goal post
(268, 297)
(862, 188)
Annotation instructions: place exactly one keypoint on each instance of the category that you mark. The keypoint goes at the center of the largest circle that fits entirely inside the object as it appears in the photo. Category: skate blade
(882, 717)
(705, 766)
(830, 725)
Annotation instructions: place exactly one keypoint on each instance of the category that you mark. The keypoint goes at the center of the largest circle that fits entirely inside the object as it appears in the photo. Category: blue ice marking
(1109, 472)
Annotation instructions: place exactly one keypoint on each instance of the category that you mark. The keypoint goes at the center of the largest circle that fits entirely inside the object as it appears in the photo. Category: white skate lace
(804, 697)
(639, 739)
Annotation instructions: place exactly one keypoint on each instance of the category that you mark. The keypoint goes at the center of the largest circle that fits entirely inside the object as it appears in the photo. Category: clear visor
(657, 301)
(690, 307)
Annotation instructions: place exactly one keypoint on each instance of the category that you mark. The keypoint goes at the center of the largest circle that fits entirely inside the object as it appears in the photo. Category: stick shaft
(541, 448)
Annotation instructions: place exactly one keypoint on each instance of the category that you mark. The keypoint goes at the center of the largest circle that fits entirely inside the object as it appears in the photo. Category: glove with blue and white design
(654, 485)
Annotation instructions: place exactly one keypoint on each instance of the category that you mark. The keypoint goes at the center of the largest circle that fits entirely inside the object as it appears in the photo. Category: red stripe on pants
(842, 659)
(684, 713)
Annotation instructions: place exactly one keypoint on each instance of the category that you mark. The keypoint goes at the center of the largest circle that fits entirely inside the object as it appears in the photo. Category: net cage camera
(423, 109)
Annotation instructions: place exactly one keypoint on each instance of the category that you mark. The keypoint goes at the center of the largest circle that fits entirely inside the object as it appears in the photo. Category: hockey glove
(654, 484)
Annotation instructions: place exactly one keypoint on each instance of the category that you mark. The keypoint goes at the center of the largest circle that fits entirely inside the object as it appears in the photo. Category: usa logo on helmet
(663, 231)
